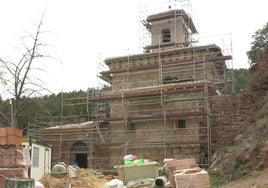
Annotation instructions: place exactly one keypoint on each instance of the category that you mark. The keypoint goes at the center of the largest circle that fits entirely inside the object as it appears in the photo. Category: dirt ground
(90, 179)
(86, 178)
(254, 180)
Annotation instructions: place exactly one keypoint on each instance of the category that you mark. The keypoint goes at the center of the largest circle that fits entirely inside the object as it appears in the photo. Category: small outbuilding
(40, 155)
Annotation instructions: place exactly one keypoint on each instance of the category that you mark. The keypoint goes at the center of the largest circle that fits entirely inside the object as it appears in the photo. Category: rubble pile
(134, 173)
(85, 178)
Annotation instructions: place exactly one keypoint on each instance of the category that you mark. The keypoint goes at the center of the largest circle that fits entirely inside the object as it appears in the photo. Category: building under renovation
(158, 103)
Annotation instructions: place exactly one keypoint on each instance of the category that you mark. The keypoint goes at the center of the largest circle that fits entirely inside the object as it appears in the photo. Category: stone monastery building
(158, 105)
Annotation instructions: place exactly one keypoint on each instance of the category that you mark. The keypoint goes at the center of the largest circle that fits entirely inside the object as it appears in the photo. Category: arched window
(79, 154)
(166, 37)
(79, 147)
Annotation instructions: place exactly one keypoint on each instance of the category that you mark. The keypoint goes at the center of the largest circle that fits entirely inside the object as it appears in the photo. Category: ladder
(99, 132)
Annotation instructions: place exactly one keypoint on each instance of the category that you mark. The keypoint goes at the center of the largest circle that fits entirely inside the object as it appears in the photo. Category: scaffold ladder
(123, 154)
(99, 132)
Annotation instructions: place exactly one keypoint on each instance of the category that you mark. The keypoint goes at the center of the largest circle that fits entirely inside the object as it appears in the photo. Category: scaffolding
(204, 75)
(156, 103)
(150, 101)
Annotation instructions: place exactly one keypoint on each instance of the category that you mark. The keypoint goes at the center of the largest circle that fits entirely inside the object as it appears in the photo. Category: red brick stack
(10, 136)
(195, 178)
(186, 173)
(14, 158)
(177, 164)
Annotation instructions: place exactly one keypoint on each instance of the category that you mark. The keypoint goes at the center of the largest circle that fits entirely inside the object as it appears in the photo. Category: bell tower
(169, 29)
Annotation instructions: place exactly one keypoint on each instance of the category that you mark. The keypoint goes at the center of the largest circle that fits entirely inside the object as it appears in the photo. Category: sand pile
(86, 178)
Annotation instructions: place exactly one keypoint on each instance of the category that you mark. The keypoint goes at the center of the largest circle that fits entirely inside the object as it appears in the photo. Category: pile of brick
(186, 173)
(14, 158)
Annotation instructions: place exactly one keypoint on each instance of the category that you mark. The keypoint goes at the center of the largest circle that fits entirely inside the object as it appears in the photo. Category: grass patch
(216, 181)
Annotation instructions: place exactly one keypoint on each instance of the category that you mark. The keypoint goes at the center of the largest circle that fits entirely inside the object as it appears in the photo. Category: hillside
(244, 163)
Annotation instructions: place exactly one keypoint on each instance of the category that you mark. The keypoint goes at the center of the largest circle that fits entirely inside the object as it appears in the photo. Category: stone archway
(79, 153)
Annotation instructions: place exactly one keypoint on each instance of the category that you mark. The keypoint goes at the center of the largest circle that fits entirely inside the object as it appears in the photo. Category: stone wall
(230, 114)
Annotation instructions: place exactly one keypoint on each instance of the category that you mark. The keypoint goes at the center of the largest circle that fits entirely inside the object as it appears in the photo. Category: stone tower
(169, 29)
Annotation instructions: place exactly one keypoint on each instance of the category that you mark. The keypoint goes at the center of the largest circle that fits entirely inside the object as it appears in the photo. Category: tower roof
(171, 14)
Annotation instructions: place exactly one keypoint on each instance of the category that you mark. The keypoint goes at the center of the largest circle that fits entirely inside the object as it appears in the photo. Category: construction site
(156, 103)
(164, 115)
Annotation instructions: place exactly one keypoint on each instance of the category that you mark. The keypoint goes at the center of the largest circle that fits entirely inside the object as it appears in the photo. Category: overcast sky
(84, 31)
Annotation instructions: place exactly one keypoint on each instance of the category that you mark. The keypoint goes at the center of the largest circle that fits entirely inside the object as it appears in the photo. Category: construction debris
(141, 182)
(195, 178)
(86, 178)
(171, 165)
(114, 183)
(186, 173)
(174, 174)
(132, 172)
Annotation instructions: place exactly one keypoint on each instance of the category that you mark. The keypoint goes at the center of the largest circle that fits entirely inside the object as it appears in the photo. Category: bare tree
(20, 84)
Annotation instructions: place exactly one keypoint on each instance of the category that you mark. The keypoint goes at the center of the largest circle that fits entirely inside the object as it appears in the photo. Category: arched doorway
(79, 154)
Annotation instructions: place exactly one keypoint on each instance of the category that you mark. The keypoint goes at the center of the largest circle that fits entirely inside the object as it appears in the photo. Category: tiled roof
(73, 126)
